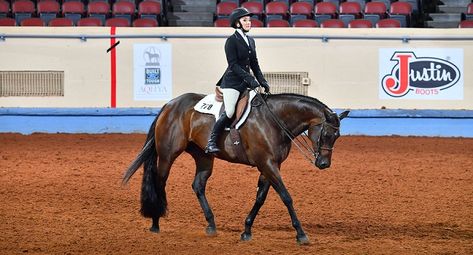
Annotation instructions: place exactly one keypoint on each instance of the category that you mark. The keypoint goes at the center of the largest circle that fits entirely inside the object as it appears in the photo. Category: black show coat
(240, 58)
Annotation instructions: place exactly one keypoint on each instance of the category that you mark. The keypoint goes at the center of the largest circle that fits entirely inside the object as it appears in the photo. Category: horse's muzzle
(322, 163)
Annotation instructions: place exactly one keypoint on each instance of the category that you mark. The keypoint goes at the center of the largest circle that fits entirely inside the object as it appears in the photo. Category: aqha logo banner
(152, 71)
(421, 74)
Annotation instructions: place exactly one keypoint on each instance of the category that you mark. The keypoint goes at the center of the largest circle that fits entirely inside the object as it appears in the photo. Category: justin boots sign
(421, 74)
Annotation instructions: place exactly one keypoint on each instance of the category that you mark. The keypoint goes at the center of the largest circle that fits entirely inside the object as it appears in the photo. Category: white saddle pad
(209, 105)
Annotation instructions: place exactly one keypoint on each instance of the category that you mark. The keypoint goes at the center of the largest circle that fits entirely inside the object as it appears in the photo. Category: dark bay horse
(178, 128)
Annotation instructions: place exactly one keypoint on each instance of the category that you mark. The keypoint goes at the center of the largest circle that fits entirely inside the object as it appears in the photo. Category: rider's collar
(241, 32)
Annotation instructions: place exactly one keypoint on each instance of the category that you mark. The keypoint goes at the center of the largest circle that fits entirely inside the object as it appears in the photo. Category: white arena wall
(344, 70)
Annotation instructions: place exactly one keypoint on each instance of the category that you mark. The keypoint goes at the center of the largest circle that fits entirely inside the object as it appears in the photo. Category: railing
(323, 38)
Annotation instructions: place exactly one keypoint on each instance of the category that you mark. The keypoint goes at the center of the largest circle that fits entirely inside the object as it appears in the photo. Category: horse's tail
(146, 154)
(153, 195)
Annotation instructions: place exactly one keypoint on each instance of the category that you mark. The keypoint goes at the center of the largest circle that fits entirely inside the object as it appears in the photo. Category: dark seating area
(314, 13)
(124, 13)
(266, 13)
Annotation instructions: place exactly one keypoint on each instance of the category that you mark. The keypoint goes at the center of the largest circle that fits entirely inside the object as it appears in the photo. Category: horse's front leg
(272, 175)
(263, 187)
(203, 172)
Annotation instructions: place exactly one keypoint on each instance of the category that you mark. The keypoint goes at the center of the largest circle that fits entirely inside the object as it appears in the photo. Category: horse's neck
(295, 115)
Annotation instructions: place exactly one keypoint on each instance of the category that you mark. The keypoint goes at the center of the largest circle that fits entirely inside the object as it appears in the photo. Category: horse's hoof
(211, 231)
(303, 240)
(154, 229)
(245, 236)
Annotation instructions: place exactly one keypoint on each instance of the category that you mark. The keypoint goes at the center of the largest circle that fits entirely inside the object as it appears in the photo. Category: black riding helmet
(237, 14)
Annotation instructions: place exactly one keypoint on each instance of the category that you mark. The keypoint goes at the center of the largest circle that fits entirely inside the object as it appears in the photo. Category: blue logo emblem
(152, 76)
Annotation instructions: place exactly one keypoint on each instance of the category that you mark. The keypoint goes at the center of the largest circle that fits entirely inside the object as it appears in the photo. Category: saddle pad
(209, 105)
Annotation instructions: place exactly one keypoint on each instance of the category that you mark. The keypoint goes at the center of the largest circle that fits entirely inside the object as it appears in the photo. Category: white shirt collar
(244, 36)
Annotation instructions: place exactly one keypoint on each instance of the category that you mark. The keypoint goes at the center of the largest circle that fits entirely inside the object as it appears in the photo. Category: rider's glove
(265, 85)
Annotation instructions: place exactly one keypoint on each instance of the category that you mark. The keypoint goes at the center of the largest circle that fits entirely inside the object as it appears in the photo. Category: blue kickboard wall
(436, 123)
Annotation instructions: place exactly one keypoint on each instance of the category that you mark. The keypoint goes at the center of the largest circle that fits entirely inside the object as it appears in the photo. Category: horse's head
(323, 136)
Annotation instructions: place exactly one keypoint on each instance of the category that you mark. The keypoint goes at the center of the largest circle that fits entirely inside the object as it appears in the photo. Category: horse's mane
(302, 98)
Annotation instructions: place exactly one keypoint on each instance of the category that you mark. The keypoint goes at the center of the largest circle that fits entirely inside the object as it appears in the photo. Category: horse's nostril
(322, 164)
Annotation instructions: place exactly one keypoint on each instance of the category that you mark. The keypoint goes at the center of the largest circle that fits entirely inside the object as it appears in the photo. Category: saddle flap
(240, 107)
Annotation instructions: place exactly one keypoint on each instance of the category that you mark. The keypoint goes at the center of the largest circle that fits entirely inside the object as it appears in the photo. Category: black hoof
(303, 240)
(245, 236)
(211, 231)
(154, 229)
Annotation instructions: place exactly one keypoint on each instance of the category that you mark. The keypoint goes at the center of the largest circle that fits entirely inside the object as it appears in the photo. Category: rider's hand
(265, 85)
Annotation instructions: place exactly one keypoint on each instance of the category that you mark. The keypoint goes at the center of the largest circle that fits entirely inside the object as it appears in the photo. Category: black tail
(153, 195)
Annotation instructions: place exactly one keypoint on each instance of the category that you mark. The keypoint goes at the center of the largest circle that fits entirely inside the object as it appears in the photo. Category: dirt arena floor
(62, 194)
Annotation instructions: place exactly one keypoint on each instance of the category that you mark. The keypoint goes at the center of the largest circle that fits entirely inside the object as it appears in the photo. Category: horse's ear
(343, 115)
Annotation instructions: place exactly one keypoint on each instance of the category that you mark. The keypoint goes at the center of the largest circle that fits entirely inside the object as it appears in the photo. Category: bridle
(301, 143)
(325, 148)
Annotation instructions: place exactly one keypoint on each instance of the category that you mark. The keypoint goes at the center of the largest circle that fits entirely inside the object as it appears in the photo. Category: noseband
(319, 147)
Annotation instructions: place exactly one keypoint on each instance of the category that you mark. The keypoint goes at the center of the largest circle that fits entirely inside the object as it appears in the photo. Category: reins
(292, 137)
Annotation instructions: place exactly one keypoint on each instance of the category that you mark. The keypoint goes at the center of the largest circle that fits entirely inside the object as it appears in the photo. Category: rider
(240, 51)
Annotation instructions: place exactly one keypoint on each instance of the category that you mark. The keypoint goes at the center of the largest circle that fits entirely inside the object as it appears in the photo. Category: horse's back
(185, 101)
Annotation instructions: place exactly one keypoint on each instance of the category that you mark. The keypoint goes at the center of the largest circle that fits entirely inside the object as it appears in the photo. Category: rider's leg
(230, 98)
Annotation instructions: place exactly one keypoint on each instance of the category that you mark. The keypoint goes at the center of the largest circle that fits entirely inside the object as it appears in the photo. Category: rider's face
(246, 23)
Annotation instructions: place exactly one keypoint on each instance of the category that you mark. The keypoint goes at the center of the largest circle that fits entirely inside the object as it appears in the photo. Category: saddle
(213, 104)
(240, 106)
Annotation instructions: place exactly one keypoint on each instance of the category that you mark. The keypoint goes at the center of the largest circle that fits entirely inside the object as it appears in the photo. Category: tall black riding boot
(217, 130)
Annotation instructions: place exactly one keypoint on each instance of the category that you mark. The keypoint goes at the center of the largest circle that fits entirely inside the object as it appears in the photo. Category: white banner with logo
(152, 64)
(424, 73)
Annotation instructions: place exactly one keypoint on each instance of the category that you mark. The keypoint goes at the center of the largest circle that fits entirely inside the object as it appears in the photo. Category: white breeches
(230, 98)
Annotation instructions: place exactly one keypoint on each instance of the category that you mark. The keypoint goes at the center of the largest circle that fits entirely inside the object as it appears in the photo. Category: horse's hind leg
(162, 174)
(204, 166)
(263, 187)
(156, 193)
